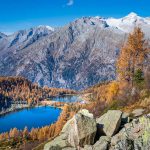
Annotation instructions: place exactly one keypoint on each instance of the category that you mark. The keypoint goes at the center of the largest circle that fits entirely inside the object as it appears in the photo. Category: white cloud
(70, 2)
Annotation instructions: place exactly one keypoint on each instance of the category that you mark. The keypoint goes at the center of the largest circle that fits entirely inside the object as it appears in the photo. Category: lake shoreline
(13, 109)
(50, 103)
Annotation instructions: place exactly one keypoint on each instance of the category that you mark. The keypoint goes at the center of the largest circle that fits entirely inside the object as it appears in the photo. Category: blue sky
(21, 14)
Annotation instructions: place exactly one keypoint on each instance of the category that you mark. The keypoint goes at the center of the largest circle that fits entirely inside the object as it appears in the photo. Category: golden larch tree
(132, 55)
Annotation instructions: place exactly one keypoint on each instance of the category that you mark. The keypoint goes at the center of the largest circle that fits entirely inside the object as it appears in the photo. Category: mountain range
(77, 55)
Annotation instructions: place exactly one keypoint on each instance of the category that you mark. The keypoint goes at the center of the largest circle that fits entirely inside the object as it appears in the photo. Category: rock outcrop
(58, 143)
(101, 144)
(79, 133)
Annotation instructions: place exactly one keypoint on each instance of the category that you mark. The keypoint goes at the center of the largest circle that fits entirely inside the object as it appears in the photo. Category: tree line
(21, 89)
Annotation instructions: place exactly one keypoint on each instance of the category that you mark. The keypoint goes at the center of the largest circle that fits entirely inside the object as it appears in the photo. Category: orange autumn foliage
(21, 89)
(132, 55)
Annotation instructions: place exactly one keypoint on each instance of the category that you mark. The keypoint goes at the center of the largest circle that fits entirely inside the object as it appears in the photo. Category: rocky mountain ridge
(75, 56)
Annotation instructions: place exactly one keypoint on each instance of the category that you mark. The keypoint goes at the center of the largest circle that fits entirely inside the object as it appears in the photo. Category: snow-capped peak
(131, 15)
(50, 28)
(47, 27)
(132, 18)
(128, 22)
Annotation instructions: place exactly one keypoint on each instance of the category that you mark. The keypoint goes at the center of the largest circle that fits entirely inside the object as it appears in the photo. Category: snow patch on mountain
(128, 22)
(47, 27)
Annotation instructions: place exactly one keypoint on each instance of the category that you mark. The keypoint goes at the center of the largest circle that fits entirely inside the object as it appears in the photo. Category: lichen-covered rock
(134, 136)
(102, 143)
(85, 112)
(88, 147)
(109, 123)
(81, 129)
(58, 143)
(77, 132)
(69, 148)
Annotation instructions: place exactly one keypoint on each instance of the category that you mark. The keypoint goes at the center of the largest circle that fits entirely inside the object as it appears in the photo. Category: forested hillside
(21, 90)
(132, 86)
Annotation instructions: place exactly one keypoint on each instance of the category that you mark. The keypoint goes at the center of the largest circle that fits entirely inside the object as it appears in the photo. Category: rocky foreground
(114, 130)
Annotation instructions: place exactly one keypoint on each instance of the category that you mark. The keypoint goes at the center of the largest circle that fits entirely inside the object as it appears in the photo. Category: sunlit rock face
(75, 56)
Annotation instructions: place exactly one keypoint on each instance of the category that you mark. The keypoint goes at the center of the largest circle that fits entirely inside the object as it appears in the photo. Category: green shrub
(138, 76)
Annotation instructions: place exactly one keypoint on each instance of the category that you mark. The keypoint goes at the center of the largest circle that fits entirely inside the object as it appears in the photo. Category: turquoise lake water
(33, 117)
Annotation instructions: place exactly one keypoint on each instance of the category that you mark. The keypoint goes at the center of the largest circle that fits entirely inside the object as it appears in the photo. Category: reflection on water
(67, 99)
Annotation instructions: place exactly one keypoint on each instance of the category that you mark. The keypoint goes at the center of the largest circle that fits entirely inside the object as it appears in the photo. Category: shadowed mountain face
(75, 56)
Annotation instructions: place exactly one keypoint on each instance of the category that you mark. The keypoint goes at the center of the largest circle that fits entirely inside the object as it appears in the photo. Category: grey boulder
(77, 132)
(81, 129)
(109, 123)
(101, 144)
